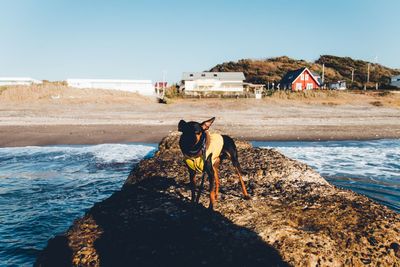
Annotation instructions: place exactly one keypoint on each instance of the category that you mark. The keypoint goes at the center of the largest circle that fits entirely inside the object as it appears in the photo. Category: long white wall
(143, 87)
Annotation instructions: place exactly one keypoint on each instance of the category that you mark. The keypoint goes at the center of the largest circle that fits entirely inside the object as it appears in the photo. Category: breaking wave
(368, 167)
(43, 189)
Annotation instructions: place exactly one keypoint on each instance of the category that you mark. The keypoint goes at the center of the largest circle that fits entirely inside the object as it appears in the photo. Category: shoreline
(91, 134)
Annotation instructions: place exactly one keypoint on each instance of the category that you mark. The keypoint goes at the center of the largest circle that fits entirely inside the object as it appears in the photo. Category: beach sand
(101, 116)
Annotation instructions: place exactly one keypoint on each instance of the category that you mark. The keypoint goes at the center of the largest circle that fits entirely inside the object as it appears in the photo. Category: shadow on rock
(159, 229)
(57, 253)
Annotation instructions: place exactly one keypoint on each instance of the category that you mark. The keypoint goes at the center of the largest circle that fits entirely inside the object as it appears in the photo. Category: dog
(203, 152)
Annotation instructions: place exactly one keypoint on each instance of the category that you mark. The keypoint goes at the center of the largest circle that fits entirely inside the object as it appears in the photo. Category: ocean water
(43, 189)
(371, 168)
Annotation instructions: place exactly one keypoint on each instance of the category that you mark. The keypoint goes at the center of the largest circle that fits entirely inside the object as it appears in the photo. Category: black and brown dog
(203, 152)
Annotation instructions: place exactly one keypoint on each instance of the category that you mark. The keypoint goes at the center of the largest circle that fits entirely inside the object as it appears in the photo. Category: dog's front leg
(216, 177)
(192, 176)
(212, 189)
(211, 177)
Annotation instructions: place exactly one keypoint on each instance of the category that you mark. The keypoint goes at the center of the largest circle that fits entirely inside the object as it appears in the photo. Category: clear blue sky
(59, 39)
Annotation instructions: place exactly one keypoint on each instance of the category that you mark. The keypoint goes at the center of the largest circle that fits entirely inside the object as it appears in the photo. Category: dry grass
(333, 98)
(311, 94)
(61, 94)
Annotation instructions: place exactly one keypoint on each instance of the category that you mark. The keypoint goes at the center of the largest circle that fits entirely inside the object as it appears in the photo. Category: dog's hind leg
(231, 151)
(238, 170)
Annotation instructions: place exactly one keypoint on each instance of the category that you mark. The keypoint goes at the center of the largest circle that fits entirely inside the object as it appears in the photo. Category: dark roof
(291, 76)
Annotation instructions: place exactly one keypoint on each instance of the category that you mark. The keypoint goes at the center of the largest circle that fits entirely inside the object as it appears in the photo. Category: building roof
(291, 76)
(222, 76)
(316, 74)
(338, 82)
(318, 77)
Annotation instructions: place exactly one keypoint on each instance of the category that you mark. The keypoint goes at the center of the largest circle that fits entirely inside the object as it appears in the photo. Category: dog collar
(196, 149)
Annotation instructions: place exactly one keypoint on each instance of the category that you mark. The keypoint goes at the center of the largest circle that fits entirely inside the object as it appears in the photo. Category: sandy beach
(72, 116)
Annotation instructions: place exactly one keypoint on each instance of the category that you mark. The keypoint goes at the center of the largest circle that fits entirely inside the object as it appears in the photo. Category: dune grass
(64, 95)
(333, 97)
(61, 94)
(309, 94)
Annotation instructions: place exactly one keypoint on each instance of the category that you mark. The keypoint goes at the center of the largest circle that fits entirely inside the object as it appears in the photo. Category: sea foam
(107, 153)
(43, 189)
(368, 167)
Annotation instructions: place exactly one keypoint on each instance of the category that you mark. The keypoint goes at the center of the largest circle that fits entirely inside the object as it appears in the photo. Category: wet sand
(39, 135)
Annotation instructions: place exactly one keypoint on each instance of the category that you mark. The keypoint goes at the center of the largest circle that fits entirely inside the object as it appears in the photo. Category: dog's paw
(247, 197)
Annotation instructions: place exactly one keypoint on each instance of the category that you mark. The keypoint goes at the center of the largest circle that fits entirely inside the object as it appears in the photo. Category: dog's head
(192, 131)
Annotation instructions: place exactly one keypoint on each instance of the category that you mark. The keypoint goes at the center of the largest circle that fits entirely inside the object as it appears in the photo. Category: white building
(207, 82)
(18, 81)
(143, 87)
(395, 81)
(340, 85)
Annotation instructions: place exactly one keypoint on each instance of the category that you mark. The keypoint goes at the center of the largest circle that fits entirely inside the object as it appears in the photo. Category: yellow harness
(215, 147)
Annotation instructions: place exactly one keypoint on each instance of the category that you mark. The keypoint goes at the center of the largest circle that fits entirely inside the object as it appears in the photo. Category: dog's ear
(181, 125)
(206, 124)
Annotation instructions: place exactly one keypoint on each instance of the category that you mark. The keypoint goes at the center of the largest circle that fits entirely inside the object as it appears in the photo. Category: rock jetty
(294, 218)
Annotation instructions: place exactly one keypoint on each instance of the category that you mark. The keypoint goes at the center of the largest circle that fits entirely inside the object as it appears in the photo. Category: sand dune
(61, 94)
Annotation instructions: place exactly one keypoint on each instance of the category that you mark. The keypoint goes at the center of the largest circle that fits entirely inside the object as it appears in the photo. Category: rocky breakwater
(293, 218)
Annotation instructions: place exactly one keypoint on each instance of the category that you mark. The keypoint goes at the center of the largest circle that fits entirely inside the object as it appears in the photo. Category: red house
(301, 79)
